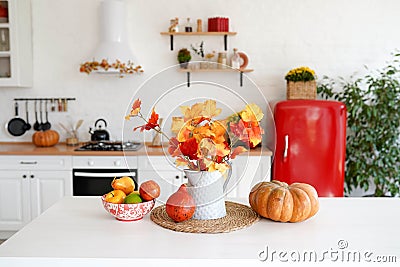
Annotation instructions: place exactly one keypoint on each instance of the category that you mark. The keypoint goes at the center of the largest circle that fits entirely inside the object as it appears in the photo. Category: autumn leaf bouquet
(202, 142)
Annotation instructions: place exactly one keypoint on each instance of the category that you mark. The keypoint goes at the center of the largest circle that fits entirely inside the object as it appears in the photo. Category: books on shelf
(218, 24)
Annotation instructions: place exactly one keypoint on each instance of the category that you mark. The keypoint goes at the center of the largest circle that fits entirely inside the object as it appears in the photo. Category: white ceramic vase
(207, 190)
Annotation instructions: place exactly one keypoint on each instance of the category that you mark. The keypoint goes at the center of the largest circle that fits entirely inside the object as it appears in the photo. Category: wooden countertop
(61, 149)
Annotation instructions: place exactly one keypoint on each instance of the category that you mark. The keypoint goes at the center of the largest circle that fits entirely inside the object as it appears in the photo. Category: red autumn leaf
(173, 148)
(219, 159)
(136, 105)
(151, 124)
(189, 148)
(237, 150)
(239, 130)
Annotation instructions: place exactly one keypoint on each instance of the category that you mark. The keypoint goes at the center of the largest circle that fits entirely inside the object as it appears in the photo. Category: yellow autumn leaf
(210, 109)
(252, 112)
(177, 124)
(193, 112)
(183, 109)
(222, 150)
(207, 148)
(221, 167)
(180, 162)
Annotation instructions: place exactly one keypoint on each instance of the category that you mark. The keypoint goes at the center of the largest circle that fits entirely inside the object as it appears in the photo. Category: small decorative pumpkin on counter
(180, 205)
(281, 202)
(45, 138)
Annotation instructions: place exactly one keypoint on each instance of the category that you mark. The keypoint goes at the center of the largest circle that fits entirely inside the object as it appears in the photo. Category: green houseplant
(184, 57)
(373, 128)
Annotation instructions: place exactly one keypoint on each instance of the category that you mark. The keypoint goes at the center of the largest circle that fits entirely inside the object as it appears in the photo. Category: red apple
(149, 190)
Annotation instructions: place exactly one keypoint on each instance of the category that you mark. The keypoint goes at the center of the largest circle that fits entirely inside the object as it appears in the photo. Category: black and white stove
(110, 146)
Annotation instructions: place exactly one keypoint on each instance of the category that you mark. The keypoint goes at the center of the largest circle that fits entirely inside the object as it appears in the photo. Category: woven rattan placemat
(238, 216)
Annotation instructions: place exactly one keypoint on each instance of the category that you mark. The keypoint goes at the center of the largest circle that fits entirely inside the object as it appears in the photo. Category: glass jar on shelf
(222, 60)
(4, 39)
(235, 60)
(188, 26)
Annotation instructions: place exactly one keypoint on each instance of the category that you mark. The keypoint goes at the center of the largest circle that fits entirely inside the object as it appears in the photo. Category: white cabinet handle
(28, 162)
(117, 163)
(90, 162)
(102, 175)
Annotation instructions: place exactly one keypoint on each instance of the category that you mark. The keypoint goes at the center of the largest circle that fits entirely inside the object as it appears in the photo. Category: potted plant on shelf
(301, 84)
(373, 128)
(205, 145)
(184, 57)
(200, 52)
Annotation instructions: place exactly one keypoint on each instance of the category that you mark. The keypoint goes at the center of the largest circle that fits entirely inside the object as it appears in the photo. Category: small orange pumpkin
(45, 138)
(281, 202)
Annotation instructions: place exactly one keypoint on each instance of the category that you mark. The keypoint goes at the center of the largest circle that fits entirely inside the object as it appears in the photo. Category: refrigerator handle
(285, 151)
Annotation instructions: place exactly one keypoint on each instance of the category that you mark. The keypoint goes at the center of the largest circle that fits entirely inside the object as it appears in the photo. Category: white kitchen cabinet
(14, 200)
(15, 44)
(246, 172)
(29, 185)
(161, 170)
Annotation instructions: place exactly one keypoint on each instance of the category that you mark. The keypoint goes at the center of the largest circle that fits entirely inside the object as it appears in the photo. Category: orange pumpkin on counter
(281, 202)
(45, 138)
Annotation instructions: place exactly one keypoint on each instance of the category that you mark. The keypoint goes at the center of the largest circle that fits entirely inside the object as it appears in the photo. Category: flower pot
(206, 188)
(184, 65)
(301, 90)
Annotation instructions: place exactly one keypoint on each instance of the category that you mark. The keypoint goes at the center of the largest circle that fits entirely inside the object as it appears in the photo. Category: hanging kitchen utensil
(47, 124)
(16, 126)
(65, 105)
(41, 115)
(53, 105)
(27, 126)
(36, 125)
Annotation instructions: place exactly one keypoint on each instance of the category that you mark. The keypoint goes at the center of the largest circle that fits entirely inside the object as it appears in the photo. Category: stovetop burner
(111, 146)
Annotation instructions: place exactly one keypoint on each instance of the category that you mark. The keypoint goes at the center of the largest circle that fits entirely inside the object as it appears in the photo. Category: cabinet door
(246, 172)
(16, 44)
(14, 200)
(47, 187)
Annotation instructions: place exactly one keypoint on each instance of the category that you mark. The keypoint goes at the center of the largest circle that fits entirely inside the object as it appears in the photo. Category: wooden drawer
(101, 162)
(35, 163)
(156, 163)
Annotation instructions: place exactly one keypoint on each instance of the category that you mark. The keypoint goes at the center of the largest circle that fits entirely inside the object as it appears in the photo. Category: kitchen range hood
(113, 54)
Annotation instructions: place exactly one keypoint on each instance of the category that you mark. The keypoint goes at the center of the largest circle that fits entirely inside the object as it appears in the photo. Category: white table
(77, 231)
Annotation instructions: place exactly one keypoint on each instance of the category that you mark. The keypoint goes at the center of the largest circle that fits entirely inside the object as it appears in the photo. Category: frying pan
(16, 126)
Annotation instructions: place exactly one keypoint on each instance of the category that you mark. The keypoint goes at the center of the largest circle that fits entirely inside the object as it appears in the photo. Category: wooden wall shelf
(216, 70)
(241, 71)
(172, 34)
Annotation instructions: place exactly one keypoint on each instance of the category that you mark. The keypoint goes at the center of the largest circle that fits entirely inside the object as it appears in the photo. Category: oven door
(97, 182)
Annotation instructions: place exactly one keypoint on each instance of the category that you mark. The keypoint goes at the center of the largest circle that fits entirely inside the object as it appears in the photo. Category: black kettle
(99, 134)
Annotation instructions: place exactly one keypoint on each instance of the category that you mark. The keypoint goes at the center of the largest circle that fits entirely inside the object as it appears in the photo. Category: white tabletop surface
(78, 231)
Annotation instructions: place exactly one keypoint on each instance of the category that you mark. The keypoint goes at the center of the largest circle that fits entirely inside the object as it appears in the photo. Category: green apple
(133, 198)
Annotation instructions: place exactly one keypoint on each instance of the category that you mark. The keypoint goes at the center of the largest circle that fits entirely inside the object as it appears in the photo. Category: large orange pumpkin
(45, 138)
(280, 202)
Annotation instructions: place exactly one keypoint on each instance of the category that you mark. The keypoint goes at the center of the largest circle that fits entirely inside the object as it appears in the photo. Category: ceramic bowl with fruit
(126, 204)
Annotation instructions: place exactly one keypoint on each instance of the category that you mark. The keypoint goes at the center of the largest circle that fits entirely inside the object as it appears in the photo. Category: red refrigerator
(311, 144)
